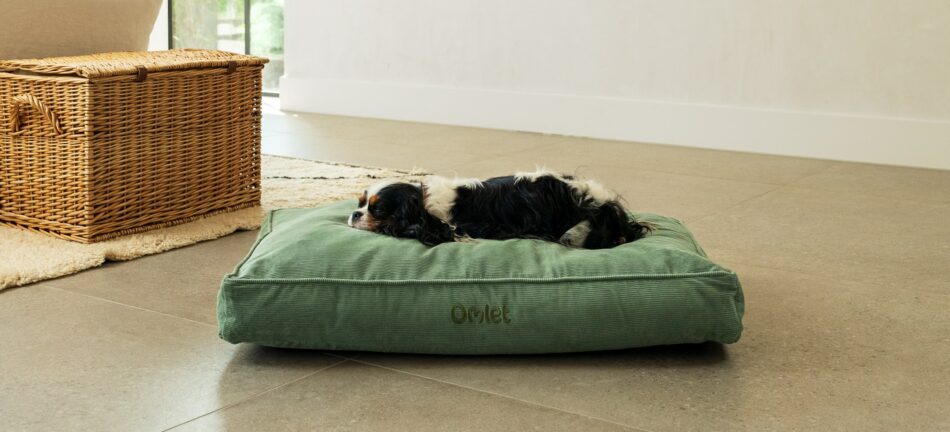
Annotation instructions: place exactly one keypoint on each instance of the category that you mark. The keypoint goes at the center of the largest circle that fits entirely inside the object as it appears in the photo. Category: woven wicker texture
(130, 142)
(129, 63)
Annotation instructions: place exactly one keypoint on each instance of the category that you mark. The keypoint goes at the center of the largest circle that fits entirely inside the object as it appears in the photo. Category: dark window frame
(247, 32)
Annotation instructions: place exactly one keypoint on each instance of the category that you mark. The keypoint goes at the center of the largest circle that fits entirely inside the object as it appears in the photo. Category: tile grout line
(454, 168)
(503, 154)
(796, 184)
(806, 188)
(720, 211)
(868, 195)
(47, 285)
(363, 362)
(467, 146)
(827, 168)
(819, 276)
(256, 395)
(563, 138)
(707, 177)
(700, 176)
(660, 171)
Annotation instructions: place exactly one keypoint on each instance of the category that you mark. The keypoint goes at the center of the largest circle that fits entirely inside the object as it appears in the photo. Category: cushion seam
(619, 278)
(266, 229)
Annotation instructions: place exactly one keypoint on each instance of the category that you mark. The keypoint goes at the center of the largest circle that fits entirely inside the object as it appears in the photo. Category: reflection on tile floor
(846, 269)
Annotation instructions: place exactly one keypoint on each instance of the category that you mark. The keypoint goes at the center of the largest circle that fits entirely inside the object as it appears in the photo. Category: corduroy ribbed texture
(310, 281)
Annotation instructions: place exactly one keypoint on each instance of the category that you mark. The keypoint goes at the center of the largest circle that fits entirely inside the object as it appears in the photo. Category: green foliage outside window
(220, 25)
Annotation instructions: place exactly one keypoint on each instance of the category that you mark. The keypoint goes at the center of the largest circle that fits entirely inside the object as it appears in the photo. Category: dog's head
(398, 209)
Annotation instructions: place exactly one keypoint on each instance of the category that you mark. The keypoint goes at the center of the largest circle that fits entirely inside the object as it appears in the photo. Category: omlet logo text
(479, 315)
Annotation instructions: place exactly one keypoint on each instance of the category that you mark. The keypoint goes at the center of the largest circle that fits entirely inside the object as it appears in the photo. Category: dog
(538, 205)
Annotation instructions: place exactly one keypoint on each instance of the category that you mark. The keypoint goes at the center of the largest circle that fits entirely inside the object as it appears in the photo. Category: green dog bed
(310, 281)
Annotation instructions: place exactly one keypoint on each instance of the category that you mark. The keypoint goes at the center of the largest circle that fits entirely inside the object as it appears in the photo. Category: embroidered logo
(480, 315)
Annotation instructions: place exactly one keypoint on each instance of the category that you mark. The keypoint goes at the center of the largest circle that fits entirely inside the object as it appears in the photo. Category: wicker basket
(100, 146)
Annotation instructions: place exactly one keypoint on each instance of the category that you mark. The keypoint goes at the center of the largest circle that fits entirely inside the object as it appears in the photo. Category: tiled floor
(846, 269)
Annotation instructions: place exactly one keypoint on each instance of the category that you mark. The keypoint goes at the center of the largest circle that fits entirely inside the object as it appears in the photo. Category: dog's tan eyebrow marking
(373, 199)
(362, 200)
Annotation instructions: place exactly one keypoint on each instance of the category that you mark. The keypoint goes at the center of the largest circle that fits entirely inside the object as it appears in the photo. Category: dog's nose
(356, 215)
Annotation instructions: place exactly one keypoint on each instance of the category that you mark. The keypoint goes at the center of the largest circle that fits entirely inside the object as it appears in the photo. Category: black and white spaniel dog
(538, 205)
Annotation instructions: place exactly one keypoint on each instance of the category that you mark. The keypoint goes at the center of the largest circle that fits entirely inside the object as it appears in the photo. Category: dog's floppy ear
(434, 231)
(412, 220)
(431, 231)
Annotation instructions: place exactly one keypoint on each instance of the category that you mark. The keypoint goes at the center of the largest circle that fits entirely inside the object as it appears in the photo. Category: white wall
(158, 40)
(854, 80)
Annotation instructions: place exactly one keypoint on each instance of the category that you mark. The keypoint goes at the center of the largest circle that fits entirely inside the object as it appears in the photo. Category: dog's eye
(376, 210)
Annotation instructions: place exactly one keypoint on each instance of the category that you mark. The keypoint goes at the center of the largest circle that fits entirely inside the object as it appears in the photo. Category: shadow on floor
(677, 356)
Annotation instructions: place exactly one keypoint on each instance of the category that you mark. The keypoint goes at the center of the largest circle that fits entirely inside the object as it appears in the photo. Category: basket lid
(130, 63)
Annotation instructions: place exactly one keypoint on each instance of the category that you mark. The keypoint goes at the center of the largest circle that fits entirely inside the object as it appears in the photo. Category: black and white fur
(540, 205)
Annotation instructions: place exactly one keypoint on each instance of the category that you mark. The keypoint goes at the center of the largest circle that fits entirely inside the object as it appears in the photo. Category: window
(245, 26)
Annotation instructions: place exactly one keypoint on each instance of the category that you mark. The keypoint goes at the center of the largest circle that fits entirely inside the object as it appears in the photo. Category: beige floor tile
(846, 273)
(71, 362)
(355, 397)
(382, 142)
(372, 142)
(815, 355)
(680, 196)
(885, 181)
(340, 128)
(182, 282)
(430, 136)
(509, 163)
(904, 245)
(573, 151)
(363, 152)
(683, 160)
(485, 141)
(686, 198)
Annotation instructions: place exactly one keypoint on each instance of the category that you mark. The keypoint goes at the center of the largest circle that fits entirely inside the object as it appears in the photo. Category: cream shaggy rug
(27, 257)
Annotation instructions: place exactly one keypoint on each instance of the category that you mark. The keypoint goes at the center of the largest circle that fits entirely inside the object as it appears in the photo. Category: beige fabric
(27, 257)
(51, 28)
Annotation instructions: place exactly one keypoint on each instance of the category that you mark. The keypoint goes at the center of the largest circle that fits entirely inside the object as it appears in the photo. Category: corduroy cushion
(310, 281)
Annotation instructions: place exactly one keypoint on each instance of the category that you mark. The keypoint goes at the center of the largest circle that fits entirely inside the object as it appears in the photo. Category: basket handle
(40, 107)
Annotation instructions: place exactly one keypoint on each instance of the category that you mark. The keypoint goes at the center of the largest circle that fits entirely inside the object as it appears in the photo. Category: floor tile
(71, 362)
(374, 153)
(884, 181)
(575, 150)
(904, 245)
(484, 141)
(340, 128)
(815, 355)
(846, 270)
(355, 397)
(634, 156)
(431, 136)
(182, 282)
(686, 198)
(507, 164)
